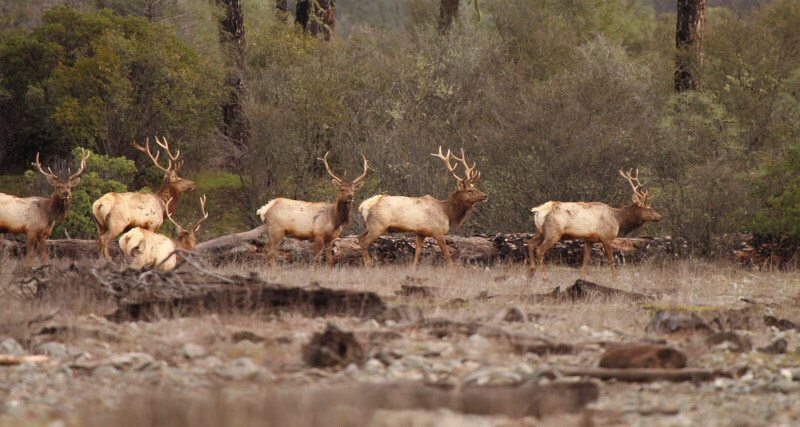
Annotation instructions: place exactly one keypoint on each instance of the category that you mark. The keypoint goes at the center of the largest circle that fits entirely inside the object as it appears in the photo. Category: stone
(401, 313)
(374, 366)
(666, 321)
(239, 369)
(105, 371)
(642, 356)
(54, 349)
(193, 351)
(10, 346)
(510, 314)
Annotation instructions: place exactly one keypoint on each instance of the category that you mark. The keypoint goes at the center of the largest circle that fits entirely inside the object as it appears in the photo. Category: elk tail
(366, 205)
(262, 212)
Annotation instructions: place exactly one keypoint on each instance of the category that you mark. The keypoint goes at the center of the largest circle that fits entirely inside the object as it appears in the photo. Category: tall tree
(688, 40)
(232, 24)
(448, 11)
(317, 16)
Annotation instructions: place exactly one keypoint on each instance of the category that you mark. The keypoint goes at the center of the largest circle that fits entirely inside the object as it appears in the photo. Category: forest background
(549, 97)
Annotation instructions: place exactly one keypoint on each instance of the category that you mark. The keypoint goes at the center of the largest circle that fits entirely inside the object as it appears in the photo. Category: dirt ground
(248, 369)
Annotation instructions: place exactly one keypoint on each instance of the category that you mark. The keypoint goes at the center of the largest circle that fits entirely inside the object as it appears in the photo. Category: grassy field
(174, 389)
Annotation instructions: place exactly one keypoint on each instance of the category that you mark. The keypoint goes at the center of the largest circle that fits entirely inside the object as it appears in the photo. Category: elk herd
(142, 214)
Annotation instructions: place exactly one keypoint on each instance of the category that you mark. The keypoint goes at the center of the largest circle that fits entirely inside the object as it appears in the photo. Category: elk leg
(329, 254)
(105, 238)
(534, 243)
(610, 256)
(364, 240)
(540, 251)
(29, 246)
(272, 248)
(319, 243)
(443, 246)
(587, 254)
(43, 249)
(418, 250)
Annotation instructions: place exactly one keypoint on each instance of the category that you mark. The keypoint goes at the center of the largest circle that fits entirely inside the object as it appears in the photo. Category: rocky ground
(480, 327)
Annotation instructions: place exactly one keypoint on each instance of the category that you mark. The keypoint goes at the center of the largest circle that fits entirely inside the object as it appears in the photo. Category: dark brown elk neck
(165, 193)
(341, 213)
(628, 218)
(456, 209)
(56, 209)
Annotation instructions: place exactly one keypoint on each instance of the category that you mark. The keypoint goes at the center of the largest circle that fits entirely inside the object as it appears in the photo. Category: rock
(192, 351)
(510, 314)
(739, 343)
(239, 369)
(777, 347)
(401, 313)
(781, 324)
(643, 356)
(10, 346)
(54, 349)
(477, 342)
(666, 321)
(105, 371)
(333, 347)
(246, 335)
(374, 366)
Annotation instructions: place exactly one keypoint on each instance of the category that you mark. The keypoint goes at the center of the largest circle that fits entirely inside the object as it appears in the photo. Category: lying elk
(321, 222)
(149, 249)
(425, 216)
(592, 222)
(35, 217)
(115, 212)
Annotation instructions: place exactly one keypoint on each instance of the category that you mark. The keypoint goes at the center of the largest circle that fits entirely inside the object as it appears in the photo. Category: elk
(593, 222)
(149, 249)
(116, 212)
(35, 217)
(321, 222)
(425, 216)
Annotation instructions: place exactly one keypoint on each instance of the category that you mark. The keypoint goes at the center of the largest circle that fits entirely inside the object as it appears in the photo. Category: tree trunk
(688, 40)
(317, 16)
(232, 26)
(448, 11)
(282, 9)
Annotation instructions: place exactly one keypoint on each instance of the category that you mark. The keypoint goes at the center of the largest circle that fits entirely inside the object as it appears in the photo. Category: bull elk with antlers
(425, 216)
(593, 222)
(115, 212)
(35, 217)
(321, 222)
(149, 249)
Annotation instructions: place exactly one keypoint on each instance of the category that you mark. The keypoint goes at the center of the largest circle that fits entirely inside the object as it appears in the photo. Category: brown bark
(448, 11)
(688, 39)
(317, 17)
(232, 26)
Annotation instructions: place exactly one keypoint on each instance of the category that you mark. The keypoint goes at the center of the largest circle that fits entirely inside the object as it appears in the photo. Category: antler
(469, 175)
(203, 210)
(85, 156)
(146, 149)
(165, 146)
(169, 215)
(638, 196)
(325, 160)
(446, 160)
(52, 178)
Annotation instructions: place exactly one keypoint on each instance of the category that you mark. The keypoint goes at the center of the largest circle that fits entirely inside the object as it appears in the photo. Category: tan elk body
(426, 216)
(116, 212)
(321, 222)
(148, 249)
(35, 217)
(593, 222)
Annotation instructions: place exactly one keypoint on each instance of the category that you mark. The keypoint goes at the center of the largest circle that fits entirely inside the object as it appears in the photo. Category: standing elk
(36, 216)
(321, 222)
(115, 212)
(425, 216)
(593, 222)
(150, 249)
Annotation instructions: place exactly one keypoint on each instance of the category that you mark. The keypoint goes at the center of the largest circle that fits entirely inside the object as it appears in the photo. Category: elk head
(173, 185)
(640, 199)
(187, 238)
(466, 192)
(63, 187)
(346, 190)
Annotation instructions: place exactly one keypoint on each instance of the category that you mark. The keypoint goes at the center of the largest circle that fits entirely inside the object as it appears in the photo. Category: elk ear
(460, 186)
(336, 183)
(74, 182)
(358, 185)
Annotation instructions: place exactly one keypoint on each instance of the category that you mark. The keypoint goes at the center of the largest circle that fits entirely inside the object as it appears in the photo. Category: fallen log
(60, 248)
(583, 290)
(641, 374)
(521, 343)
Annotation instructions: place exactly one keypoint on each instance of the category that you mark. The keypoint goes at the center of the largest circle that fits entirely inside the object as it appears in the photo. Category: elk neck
(456, 208)
(341, 213)
(628, 218)
(57, 208)
(165, 193)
